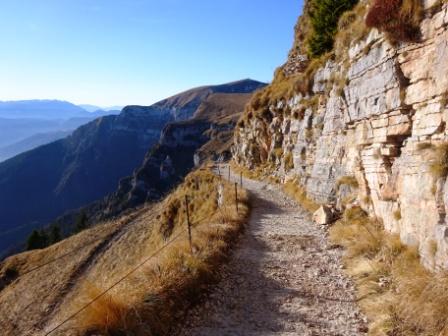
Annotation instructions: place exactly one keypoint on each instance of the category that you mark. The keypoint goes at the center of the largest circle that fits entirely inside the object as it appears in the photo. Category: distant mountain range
(40, 109)
(31, 142)
(207, 135)
(42, 184)
(27, 124)
(93, 108)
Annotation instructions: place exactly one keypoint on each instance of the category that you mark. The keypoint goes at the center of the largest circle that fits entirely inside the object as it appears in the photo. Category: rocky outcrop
(375, 117)
(182, 145)
(163, 167)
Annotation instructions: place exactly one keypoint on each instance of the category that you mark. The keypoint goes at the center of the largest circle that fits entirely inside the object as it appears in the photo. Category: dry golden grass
(295, 190)
(421, 146)
(399, 296)
(397, 214)
(439, 165)
(348, 180)
(412, 11)
(361, 237)
(289, 161)
(261, 172)
(352, 29)
(108, 314)
(156, 296)
(292, 187)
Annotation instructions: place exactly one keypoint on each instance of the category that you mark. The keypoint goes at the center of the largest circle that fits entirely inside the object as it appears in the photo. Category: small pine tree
(324, 17)
(37, 239)
(81, 222)
(55, 234)
(45, 238)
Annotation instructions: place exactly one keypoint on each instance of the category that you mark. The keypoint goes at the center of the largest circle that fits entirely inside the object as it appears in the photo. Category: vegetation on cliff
(324, 16)
(399, 295)
(324, 31)
(399, 19)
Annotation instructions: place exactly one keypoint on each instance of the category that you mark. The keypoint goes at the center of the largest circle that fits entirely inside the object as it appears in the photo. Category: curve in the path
(283, 279)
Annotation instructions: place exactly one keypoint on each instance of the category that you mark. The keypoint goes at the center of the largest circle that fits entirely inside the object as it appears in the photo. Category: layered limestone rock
(375, 117)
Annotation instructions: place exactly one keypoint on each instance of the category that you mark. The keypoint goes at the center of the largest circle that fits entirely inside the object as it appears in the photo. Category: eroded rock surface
(382, 126)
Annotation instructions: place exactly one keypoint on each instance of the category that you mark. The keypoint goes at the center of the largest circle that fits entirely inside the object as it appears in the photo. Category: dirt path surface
(283, 279)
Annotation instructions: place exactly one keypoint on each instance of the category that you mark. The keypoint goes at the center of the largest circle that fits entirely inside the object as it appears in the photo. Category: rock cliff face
(182, 145)
(372, 131)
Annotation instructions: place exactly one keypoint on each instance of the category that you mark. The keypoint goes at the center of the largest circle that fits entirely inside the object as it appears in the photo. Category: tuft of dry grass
(421, 146)
(358, 235)
(397, 214)
(443, 100)
(108, 314)
(439, 165)
(348, 180)
(295, 190)
(352, 28)
(398, 295)
(289, 161)
(157, 295)
(261, 172)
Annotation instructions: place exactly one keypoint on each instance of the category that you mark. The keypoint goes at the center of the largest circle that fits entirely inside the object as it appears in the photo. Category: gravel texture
(284, 278)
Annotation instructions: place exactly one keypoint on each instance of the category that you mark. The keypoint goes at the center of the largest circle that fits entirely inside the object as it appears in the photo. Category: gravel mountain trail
(284, 278)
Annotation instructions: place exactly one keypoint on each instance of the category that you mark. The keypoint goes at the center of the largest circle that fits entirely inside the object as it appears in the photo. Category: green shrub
(81, 222)
(55, 234)
(324, 17)
(37, 239)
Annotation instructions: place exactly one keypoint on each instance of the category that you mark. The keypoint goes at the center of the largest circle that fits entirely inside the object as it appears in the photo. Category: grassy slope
(399, 296)
(157, 292)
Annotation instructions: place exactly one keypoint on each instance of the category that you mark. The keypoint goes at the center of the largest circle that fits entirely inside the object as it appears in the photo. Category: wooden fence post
(189, 224)
(241, 180)
(229, 173)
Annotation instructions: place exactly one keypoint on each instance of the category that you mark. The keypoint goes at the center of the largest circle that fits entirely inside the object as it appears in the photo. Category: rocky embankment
(371, 131)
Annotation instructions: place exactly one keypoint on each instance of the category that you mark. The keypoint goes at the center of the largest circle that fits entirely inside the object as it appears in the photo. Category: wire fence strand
(124, 277)
(195, 226)
(99, 296)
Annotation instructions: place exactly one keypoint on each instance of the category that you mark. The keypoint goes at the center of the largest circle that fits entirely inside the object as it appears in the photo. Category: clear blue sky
(119, 52)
